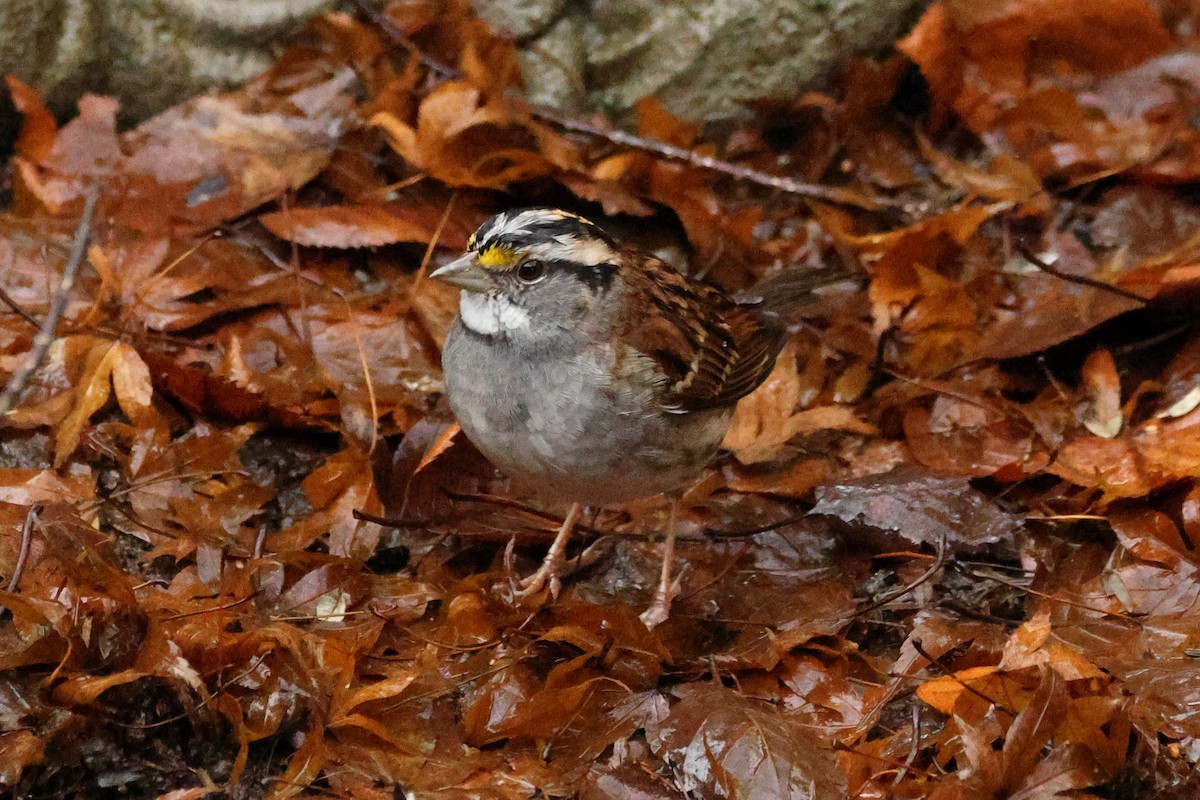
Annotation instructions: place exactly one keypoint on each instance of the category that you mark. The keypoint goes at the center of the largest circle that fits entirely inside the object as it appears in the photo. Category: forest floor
(949, 550)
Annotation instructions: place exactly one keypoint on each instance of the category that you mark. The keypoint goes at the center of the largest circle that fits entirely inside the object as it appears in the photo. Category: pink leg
(660, 609)
(547, 574)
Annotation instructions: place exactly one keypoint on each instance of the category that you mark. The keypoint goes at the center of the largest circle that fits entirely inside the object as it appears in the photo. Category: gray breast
(551, 417)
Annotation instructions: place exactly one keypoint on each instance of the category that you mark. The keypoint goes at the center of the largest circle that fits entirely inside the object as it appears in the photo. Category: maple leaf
(108, 366)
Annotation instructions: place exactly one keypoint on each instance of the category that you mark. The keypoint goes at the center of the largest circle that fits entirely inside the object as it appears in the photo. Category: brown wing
(711, 350)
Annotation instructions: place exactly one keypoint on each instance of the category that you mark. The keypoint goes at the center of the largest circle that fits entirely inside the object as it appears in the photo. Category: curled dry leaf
(107, 365)
(463, 139)
(769, 417)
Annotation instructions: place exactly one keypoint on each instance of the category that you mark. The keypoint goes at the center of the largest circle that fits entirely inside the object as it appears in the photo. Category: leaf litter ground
(949, 552)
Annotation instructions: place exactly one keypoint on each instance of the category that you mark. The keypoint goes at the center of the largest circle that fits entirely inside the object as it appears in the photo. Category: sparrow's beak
(465, 274)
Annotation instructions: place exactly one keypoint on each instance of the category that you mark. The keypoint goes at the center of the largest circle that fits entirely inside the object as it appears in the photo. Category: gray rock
(554, 65)
(149, 53)
(704, 59)
(519, 19)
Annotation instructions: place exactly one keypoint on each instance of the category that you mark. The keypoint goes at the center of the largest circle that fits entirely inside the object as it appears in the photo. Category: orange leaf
(440, 445)
(91, 393)
(1033, 727)
(943, 692)
(1103, 386)
(344, 226)
(38, 127)
(131, 383)
(379, 690)
(83, 690)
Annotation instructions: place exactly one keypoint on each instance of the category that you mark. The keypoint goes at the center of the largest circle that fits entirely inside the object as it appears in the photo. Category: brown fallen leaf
(108, 366)
(721, 743)
(768, 417)
(920, 507)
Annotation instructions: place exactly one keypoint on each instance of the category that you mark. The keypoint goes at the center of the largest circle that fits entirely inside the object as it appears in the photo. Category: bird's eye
(531, 271)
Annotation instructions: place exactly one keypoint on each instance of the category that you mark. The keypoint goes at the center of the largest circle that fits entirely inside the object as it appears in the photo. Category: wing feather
(710, 349)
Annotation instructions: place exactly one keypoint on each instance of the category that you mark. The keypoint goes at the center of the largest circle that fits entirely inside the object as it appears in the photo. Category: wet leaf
(464, 140)
(100, 364)
(770, 416)
(250, 357)
(1103, 387)
(919, 507)
(722, 744)
(347, 226)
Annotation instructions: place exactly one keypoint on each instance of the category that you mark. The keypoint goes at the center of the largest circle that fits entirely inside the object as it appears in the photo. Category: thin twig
(392, 522)
(743, 533)
(433, 243)
(1154, 341)
(301, 285)
(355, 325)
(1049, 269)
(937, 564)
(58, 304)
(516, 505)
(213, 610)
(916, 746)
(15, 307)
(833, 194)
(31, 519)
(406, 523)
(259, 541)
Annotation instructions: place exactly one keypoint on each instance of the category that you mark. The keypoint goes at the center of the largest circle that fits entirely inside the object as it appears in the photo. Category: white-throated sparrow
(596, 373)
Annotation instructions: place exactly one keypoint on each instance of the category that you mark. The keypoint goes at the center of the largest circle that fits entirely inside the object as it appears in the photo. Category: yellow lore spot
(497, 257)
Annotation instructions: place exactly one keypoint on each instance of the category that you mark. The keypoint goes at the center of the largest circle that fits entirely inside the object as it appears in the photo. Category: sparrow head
(538, 264)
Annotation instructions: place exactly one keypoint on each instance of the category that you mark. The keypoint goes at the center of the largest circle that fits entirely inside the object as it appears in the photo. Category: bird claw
(522, 587)
(547, 575)
(551, 574)
(660, 610)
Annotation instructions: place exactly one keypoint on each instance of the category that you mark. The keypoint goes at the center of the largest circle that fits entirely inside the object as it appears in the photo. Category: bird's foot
(660, 609)
(549, 574)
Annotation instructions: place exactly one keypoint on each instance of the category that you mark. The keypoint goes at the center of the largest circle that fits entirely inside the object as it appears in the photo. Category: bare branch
(58, 304)
(31, 519)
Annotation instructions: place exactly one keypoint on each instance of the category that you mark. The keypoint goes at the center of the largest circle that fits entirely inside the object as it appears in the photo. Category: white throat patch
(489, 314)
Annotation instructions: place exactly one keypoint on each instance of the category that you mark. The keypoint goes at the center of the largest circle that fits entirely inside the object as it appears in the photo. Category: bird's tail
(784, 292)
